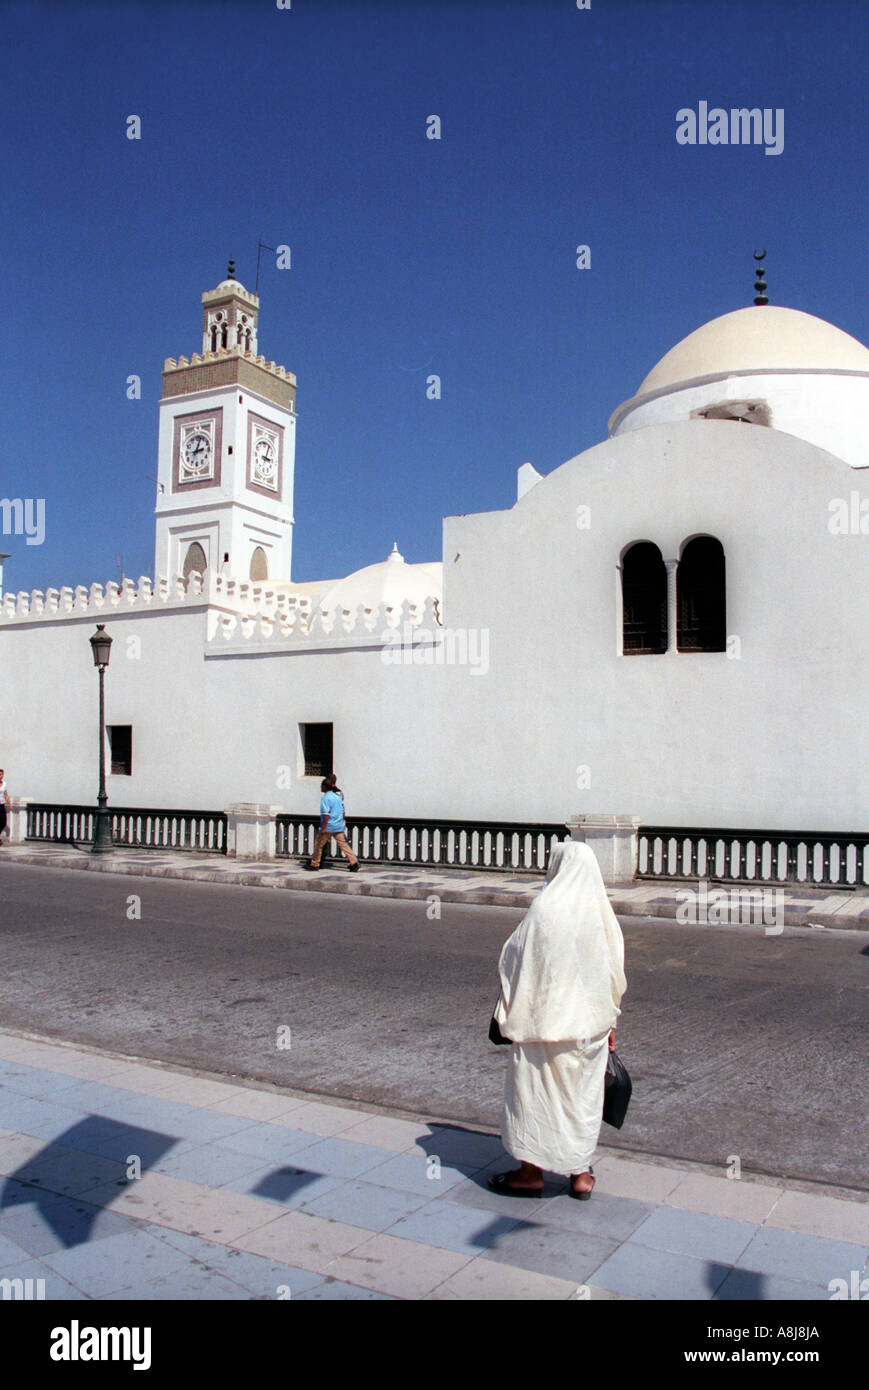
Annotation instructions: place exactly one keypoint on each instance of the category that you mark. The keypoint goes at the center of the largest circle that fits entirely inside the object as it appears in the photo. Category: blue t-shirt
(332, 806)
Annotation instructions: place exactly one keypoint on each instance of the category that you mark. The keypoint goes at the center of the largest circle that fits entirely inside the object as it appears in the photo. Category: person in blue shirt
(332, 823)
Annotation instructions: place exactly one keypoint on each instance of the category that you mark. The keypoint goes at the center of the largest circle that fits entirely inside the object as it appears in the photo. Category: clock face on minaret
(265, 450)
(197, 453)
(196, 450)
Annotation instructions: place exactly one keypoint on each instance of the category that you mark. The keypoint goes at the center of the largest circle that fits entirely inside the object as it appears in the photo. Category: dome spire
(230, 270)
(760, 283)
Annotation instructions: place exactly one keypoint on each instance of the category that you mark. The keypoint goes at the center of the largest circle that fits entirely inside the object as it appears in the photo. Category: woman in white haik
(562, 978)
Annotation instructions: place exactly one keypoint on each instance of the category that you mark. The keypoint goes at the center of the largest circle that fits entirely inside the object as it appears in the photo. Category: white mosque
(670, 627)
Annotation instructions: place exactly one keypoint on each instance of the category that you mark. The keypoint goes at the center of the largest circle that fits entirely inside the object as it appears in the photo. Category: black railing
(449, 844)
(821, 860)
(66, 824)
(754, 856)
(201, 831)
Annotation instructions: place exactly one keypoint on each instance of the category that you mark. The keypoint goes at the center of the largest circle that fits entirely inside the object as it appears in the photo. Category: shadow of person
(727, 1283)
(284, 1183)
(78, 1173)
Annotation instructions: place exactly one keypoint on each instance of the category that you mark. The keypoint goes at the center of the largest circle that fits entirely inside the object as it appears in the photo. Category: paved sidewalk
(255, 1193)
(800, 907)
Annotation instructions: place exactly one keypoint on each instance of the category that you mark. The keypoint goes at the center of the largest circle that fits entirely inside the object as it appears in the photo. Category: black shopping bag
(617, 1091)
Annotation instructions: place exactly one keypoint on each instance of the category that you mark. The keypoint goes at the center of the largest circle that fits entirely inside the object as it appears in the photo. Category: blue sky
(410, 256)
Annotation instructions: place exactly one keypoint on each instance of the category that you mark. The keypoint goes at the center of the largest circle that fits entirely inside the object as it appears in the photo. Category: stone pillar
(16, 819)
(672, 612)
(251, 830)
(614, 841)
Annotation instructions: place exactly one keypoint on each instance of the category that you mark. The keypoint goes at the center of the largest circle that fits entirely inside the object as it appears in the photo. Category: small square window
(120, 749)
(317, 749)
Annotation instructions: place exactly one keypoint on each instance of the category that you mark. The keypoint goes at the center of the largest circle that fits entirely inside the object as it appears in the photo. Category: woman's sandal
(582, 1196)
(500, 1184)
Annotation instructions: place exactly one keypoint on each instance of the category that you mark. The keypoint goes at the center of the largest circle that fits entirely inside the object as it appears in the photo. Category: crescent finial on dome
(760, 284)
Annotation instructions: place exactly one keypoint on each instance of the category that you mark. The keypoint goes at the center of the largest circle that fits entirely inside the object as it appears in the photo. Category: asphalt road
(738, 1043)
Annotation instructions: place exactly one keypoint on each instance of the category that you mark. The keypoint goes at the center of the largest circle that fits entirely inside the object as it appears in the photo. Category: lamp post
(101, 646)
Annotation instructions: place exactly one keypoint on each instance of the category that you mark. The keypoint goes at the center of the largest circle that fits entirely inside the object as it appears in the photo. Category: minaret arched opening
(194, 560)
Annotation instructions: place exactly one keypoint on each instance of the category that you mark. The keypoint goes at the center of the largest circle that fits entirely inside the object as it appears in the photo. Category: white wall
(778, 737)
(208, 732)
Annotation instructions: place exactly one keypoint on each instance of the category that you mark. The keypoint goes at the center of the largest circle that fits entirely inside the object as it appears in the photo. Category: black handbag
(617, 1091)
(496, 1036)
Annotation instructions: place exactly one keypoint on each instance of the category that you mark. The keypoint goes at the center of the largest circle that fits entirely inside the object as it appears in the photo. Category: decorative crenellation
(306, 626)
(240, 610)
(199, 359)
(98, 598)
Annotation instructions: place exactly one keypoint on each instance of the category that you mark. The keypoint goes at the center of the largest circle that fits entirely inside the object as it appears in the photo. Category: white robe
(553, 1102)
(562, 978)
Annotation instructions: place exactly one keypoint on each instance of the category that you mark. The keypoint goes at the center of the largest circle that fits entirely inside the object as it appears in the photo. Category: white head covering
(562, 970)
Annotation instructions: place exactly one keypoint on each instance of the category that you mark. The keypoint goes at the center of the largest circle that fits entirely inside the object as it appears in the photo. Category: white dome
(763, 338)
(766, 366)
(392, 581)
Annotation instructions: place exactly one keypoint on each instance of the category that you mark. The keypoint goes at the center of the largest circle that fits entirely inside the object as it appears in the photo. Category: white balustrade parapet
(613, 838)
(251, 830)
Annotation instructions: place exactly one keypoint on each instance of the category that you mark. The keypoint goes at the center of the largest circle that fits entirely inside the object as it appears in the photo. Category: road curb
(666, 907)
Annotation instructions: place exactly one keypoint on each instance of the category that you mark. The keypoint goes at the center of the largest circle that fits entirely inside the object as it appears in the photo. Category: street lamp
(101, 646)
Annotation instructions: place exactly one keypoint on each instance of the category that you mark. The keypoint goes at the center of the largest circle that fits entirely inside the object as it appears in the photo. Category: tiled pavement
(806, 907)
(252, 1193)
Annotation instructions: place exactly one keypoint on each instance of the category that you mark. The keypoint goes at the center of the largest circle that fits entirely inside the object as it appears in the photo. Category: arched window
(701, 597)
(259, 567)
(644, 600)
(194, 560)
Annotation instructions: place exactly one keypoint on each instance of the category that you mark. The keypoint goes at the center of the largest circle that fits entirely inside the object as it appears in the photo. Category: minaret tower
(226, 450)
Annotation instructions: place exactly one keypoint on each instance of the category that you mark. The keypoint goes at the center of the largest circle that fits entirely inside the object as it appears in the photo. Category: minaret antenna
(262, 247)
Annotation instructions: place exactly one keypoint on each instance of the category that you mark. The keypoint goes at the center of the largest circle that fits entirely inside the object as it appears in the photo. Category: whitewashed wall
(778, 737)
(208, 732)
